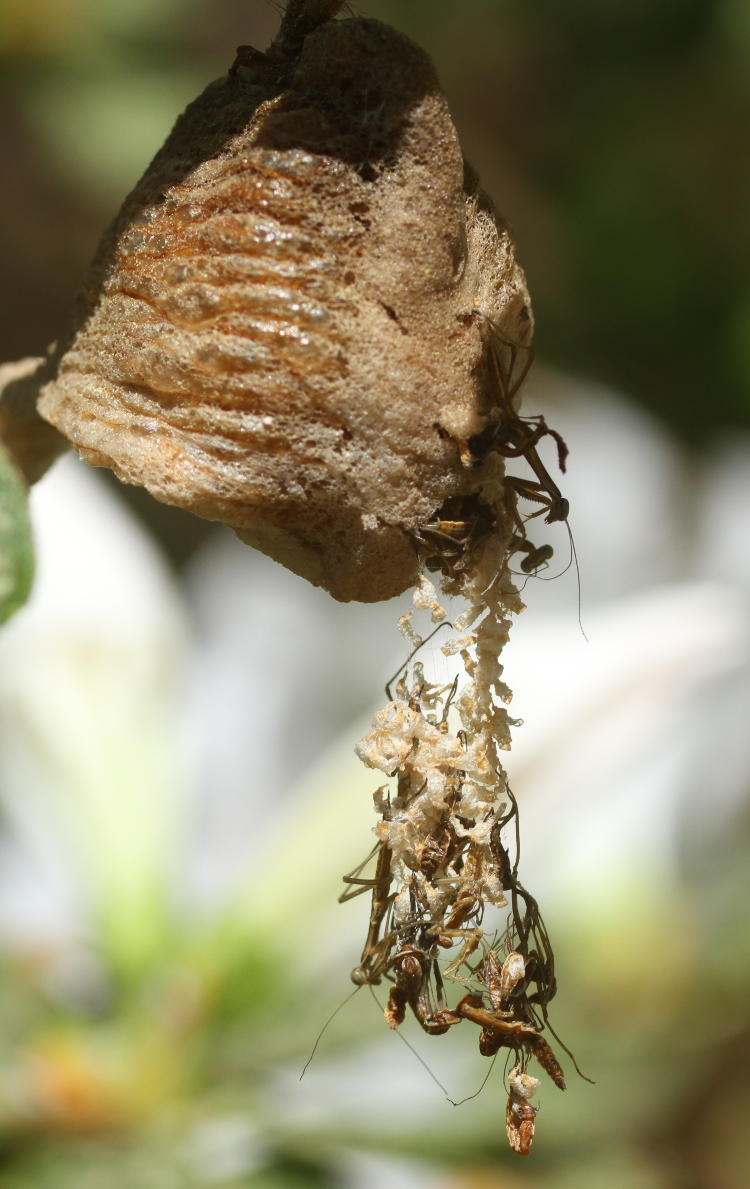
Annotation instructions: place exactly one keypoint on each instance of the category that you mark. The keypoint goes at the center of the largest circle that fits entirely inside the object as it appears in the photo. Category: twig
(32, 443)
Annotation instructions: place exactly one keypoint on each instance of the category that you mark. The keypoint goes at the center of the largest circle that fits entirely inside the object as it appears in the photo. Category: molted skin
(278, 329)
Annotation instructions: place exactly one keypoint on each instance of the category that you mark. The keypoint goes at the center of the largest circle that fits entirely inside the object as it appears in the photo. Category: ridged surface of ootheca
(278, 330)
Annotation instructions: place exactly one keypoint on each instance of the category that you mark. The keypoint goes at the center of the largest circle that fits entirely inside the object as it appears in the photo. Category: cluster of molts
(433, 767)
(442, 745)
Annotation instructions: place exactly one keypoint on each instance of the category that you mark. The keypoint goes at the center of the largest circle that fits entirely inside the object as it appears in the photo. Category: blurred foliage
(16, 548)
(619, 132)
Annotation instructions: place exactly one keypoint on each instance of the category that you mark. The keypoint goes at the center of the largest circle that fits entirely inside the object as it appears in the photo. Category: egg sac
(280, 329)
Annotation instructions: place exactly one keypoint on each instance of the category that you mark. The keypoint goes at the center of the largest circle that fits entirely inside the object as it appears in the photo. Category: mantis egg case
(278, 329)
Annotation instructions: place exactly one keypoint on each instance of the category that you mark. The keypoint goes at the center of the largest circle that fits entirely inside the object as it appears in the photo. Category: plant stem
(31, 442)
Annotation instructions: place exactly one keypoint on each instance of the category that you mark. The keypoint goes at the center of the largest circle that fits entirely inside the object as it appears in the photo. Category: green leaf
(16, 548)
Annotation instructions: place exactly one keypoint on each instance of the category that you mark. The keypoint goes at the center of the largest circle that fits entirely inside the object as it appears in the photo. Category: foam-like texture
(278, 330)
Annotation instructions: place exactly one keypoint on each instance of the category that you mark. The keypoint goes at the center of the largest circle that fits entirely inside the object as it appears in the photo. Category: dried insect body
(277, 330)
(415, 967)
(501, 981)
(376, 951)
(522, 1084)
(520, 1115)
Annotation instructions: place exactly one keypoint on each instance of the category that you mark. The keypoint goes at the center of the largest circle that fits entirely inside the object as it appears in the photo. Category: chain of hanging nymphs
(447, 838)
